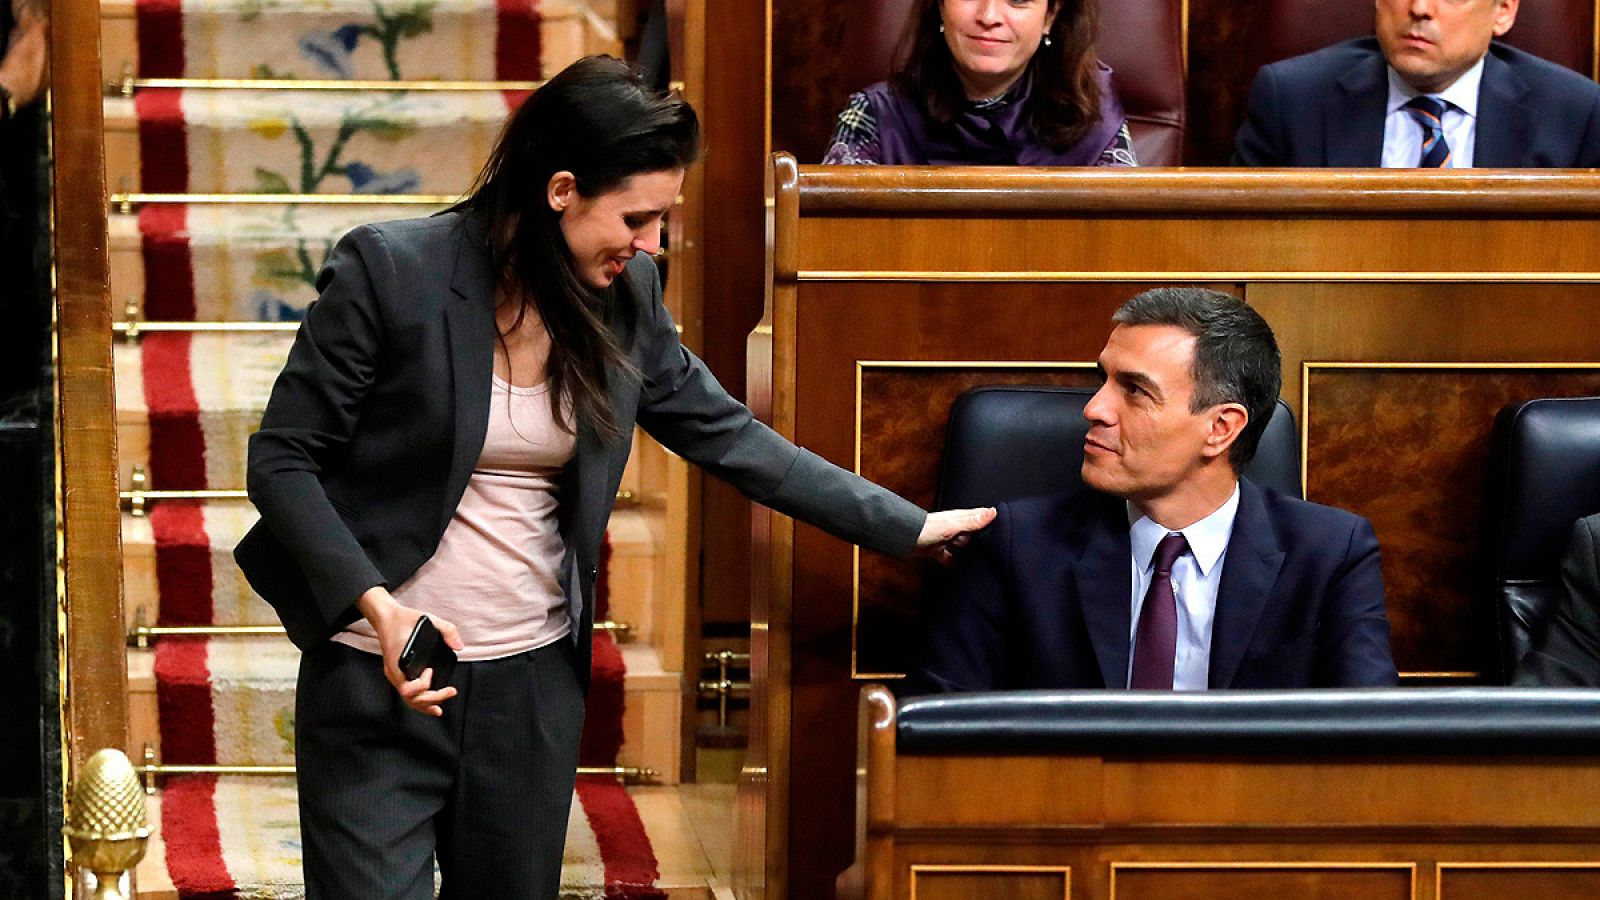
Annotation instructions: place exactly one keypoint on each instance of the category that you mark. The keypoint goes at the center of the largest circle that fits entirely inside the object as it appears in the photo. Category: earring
(941, 28)
(1047, 40)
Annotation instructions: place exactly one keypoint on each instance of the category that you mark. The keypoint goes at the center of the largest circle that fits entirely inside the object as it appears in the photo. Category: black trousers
(487, 786)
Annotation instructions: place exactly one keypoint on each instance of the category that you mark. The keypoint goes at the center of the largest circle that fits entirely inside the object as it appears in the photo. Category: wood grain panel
(1020, 883)
(1544, 881)
(1229, 247)
(904, 412)
(1377, 882)
(1408, 448)
(734, 169)
(1219, 76)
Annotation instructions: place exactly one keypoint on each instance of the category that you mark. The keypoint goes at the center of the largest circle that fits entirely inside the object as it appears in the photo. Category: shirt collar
(1208, 538)
(1462, 95)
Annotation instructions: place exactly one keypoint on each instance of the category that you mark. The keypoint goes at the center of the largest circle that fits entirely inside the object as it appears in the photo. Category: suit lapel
(469, 322)
(1105, 585)
(1248, 574)
(1353, 116)
(1502, 140)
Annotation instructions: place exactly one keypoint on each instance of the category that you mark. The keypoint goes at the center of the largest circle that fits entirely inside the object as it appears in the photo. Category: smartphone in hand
(426, 649)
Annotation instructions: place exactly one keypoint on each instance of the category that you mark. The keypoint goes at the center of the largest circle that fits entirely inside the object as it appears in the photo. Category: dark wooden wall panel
(1544, 881)
(1012, 885)
(1289, 883)
(734, 117)
(1366, 425)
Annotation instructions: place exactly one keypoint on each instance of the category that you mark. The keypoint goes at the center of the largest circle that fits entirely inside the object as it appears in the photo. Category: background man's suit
(1042, 599)
(1327, 109)
(1570, 652)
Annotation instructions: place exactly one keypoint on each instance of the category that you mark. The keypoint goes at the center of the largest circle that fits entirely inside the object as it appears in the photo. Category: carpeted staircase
(223, 249)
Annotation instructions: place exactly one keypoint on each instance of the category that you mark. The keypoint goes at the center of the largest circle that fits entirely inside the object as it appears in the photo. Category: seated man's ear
(1227, 423)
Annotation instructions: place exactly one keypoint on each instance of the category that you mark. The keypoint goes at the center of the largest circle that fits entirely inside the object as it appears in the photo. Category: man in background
(1430, 90)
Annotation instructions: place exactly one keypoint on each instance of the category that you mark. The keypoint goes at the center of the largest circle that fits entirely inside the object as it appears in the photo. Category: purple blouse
(882, 125)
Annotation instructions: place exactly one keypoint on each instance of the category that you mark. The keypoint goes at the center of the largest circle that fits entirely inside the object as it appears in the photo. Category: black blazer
(1327, 109)
(1042, 599)
(1569, 653)
(379, 415)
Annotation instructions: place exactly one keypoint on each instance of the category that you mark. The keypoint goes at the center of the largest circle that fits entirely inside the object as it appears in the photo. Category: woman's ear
(561, 190)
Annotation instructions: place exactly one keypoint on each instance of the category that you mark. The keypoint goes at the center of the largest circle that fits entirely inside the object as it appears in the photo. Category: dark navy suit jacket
(1327, 109)
(1042, 599)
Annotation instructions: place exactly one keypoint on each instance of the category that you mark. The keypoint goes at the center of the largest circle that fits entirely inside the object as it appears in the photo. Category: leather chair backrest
(1141, 40)
(1561, 31)
(1544, 474)
(1007, 442)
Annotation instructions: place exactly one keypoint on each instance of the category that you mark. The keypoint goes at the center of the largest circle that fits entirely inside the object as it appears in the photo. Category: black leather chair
(1373, 722)
(1544, 474)
(1007, 442)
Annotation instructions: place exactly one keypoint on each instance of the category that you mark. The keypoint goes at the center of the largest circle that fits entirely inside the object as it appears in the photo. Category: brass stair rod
(124, 202)
(140, 635)
(138, 499)
(128, 85)
(151, 770)
(134, 329)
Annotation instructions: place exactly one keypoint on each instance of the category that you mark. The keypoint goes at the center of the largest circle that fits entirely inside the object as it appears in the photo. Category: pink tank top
(494, 574)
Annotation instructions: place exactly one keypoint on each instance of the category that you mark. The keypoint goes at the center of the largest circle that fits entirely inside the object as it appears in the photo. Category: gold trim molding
(1410, 868)
(1287, 276)
(1524, 865)
(941, 869)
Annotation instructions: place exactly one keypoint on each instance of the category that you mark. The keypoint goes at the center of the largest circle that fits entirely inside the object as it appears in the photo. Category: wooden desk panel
(909, 284)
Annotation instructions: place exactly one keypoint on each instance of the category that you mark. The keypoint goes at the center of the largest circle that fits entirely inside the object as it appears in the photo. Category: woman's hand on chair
(394, 623)
(948, 530)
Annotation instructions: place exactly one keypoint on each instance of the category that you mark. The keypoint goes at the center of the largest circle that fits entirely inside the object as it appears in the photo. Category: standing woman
(447, 438)
(990, 82)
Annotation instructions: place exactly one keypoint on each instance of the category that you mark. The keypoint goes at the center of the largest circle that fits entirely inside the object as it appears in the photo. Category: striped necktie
(1429, 114)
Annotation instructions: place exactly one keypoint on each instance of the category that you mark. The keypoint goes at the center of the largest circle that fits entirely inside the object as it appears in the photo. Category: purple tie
(1155, 645)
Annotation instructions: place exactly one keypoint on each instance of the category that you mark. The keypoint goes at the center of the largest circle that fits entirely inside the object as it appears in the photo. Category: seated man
(1569, 655)
(1429, 91)
(1168, 570)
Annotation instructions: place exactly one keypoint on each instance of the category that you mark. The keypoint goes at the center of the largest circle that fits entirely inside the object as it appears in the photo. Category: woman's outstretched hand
(393, 623)
(948, 530)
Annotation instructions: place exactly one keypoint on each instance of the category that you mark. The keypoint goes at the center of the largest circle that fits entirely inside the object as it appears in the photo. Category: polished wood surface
(734, 115)
(1140, 827)
(90, 514)
(1361, 429)
(884, 280)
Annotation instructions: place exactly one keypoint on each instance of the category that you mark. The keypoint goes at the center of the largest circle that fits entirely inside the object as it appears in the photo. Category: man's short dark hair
(1236, 358)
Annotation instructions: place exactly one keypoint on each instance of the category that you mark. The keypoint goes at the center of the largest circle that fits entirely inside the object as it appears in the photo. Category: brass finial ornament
(107, 828)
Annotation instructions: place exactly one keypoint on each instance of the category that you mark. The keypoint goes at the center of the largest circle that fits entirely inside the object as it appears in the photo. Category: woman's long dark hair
(597, 120)
(1065, 100)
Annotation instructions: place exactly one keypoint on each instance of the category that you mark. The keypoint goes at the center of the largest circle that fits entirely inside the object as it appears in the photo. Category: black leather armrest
(1378, 721)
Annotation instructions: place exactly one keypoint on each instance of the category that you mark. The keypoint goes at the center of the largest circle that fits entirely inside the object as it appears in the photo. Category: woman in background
(990, 82)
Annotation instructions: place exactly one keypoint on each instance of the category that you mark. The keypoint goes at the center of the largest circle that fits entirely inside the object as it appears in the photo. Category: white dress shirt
(1195, 578)
(1403, 136)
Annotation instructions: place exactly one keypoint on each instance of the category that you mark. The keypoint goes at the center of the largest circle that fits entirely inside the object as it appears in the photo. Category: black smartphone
(426, 649)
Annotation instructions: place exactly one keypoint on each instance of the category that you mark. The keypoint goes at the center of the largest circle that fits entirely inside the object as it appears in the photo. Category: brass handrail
(151, 770)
